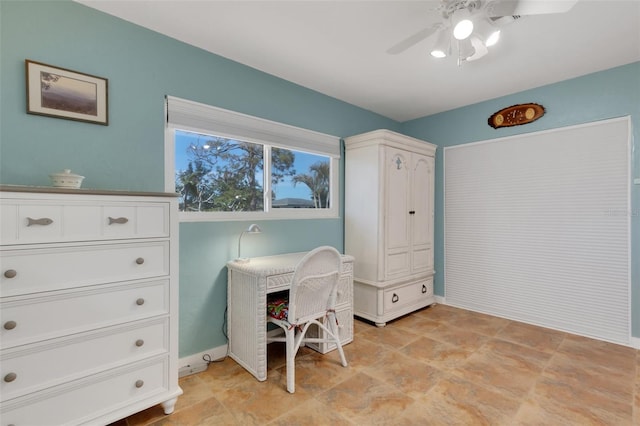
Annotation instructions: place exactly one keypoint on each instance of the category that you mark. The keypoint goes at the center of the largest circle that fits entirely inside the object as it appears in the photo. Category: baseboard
(203, 357)
(219, 352)
(199, 359)
(634, 342)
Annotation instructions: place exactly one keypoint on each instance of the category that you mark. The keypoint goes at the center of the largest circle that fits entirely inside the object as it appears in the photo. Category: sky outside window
(285, 189)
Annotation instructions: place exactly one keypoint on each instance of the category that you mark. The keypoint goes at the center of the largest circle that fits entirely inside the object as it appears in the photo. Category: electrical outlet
(192, 369)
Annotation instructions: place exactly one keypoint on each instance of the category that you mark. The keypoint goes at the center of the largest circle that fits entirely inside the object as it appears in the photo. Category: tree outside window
(216, 174)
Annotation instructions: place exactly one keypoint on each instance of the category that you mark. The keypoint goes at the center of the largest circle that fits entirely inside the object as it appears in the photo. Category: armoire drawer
(80, 402)
(31, 319)
(36, 367)
(42, 221)
(407, 294)
(30, 271)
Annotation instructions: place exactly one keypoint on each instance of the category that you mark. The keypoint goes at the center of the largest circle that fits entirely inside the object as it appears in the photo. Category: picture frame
(58, 92)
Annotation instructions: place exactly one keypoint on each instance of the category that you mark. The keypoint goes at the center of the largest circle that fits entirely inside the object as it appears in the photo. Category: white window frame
(195, 117)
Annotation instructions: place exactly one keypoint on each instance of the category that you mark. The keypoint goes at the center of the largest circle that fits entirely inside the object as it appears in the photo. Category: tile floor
(437, 366)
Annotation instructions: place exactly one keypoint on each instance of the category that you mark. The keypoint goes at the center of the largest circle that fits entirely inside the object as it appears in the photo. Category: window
(229, 166)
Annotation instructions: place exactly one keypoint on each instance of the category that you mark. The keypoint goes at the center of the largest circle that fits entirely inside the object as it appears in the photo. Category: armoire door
(396, 205)
(421, 213)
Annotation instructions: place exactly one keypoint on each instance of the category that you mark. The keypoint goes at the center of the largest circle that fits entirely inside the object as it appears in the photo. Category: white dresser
(247, 288)
(389, 195)
(89, 305)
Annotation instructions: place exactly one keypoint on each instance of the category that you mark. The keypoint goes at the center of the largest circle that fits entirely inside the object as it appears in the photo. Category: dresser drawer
(38, 270)
(398, 297)
(41, 366)
(45, 221)
(87, 399)
(31, 319)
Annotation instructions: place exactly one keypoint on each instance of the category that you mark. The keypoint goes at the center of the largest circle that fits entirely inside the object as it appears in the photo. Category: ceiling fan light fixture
(465, 49)
(479, 49)
(493, 38)
(488, 33)
(442, 47)
(462, 24)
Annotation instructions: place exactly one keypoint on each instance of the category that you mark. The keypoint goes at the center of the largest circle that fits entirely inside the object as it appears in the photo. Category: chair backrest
(314, 285)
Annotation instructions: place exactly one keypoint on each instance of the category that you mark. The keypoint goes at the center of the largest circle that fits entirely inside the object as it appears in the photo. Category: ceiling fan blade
(414, 39)
(529, 7)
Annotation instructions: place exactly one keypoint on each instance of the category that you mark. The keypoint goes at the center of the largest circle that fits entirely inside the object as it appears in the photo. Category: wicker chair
(311, 300)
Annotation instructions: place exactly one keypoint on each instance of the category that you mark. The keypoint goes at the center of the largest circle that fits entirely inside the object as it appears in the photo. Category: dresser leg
(169, 405)
(381, 324)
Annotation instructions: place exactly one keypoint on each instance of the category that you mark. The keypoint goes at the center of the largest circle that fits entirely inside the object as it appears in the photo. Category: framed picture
(62, 93)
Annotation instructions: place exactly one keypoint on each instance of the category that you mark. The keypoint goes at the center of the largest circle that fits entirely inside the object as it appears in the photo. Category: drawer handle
(43, 221)
(10, 325)
(412, 212)
(140, 260)
(10, 273)
(140, 302)
(139, 383)
(10, 377)
(394, 298)
(139, 342)
(424, 289)
(118, 220)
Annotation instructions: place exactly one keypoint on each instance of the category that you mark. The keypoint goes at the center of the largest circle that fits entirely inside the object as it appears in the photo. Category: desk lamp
(252, 229)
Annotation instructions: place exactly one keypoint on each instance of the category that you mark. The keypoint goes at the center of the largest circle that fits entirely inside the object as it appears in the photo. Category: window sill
(288, 214)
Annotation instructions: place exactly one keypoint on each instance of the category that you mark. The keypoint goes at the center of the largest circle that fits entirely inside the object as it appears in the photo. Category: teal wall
(143, 67)
(599, 96)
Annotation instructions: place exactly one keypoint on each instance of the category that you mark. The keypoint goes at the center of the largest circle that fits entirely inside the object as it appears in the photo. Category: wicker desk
(247, 288)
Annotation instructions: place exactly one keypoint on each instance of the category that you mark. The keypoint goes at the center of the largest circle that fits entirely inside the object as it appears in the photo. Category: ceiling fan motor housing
(449, 8)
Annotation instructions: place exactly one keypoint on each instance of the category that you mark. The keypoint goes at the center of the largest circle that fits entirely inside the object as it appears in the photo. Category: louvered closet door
(537, 228)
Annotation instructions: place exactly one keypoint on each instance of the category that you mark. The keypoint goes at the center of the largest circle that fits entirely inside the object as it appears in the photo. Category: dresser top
(80, 191)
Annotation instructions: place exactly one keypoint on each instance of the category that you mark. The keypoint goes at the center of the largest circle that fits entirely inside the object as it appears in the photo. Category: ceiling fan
(474, 25)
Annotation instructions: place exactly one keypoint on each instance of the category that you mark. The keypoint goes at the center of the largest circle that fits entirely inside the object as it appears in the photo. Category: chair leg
(291, 359)
(343, 359)
(333, 323)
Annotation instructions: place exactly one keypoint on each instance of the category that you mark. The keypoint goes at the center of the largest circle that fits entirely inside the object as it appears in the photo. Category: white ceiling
(339, 47)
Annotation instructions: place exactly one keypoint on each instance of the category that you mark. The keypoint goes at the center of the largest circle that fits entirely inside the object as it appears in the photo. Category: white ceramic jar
(66, 179)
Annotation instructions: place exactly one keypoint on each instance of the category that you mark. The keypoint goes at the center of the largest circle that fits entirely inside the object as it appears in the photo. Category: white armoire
(389, 187)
